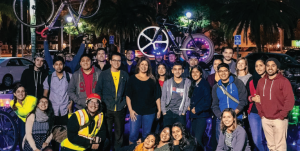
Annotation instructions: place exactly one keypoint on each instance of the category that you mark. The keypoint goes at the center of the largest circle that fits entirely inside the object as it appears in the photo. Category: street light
(188, 14)
(69, 19)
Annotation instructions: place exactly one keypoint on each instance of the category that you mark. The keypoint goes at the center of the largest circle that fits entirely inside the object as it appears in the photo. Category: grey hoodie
(239, 142)
(167, 95)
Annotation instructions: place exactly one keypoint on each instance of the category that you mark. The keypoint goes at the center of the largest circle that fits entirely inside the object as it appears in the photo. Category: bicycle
(161, 37)
(45, 17)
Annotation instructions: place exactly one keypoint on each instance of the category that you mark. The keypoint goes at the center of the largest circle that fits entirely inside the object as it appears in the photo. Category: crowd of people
(82, 104)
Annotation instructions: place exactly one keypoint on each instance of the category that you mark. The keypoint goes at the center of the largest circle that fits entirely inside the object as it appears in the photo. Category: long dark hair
(222, 125)
(149, 71)
(157, 139)
(193, 85)
(185, 137)
(167, 75)
(49, 112)
(18, 85)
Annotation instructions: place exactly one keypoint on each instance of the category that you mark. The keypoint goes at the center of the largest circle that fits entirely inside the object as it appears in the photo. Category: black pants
(198, 130)
(59, 120)
(170, 118)
(116, 119)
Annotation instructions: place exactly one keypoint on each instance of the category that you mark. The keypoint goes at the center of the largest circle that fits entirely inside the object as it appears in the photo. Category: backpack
(49, 79)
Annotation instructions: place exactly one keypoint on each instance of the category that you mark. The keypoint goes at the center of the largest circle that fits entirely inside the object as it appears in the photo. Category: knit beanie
(275, 60)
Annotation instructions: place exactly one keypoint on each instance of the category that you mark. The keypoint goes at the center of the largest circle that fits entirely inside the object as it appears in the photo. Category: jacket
(167, 95)
(22, 111)
(221, 101)
(132, 69)
(201, 100)
(106, 66)
(276, 97)
(239, 142)
(30, 78)
(81, 129)
(76, 88)
(70, 65)
(106, 89)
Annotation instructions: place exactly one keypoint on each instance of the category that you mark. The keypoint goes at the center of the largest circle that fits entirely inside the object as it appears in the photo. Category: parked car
(11, 69)
(295, 53)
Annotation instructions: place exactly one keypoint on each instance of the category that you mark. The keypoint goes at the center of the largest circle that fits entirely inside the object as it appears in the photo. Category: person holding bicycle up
(22, 104)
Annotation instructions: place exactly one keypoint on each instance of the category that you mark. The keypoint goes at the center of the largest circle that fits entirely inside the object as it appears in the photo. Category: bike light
(188, 14)
(69, 19)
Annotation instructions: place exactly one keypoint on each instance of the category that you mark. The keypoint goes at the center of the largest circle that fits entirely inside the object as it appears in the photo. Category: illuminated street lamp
(69, 19)
(188, 14)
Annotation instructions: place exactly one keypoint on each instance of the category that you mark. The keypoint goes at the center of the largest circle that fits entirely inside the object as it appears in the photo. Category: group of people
(91, 101)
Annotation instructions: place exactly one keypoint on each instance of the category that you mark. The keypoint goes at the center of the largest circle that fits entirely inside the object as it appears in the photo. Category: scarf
(41, 116)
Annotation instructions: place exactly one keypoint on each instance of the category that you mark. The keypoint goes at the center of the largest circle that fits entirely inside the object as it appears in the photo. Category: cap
(93, 96)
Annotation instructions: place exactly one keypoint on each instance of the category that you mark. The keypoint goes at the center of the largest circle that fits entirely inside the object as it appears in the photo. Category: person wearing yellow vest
(85, 128)
(22, 104)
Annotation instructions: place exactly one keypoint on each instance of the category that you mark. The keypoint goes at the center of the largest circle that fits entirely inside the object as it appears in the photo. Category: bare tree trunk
(16, 40)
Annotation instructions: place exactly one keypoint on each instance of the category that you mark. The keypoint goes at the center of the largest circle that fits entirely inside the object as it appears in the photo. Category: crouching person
(85, 129)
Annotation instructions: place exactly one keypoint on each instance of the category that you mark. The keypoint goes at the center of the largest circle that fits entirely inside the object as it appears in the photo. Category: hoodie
(33, 81)
(276, 97)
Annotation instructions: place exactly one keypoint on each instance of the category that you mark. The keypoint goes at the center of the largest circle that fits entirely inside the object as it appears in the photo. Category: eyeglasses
(223, 71)
(94, 103)
(118, 61)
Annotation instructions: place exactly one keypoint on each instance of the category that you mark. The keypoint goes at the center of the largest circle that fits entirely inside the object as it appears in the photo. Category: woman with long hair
(151, 141)
(181, 140)
(213, 78)
(22, 104)
(162, 73)
(165, 137)
(232, 136)
(200, 96)
(38, 125)
(143, 100)
(242, 72)
(253, 117)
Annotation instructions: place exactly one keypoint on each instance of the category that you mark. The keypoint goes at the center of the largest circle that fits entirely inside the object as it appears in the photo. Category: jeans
(170, 118)
(256, 130)
(116, 119)
(198, 129)
(21, 127)
(145, 121)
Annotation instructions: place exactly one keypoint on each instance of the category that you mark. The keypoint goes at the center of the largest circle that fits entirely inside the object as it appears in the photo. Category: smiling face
(271, 68)
(130, 55)
(196, 74)
(20, 94)
(93, 105)
(43, 104)
(260, 67)
(193, 62)
(143, 67)
(228, 54)
(165, 135)
(177, 71)
(85, 63)
(241, 65)
(176, 133)
(161, 70)
(227, 119)
(149, 142)
(100, 55)
(115, 62)
(216, 63)
(223, 73)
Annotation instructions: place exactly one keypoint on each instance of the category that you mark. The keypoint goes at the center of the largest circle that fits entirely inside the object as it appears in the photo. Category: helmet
(93, 96)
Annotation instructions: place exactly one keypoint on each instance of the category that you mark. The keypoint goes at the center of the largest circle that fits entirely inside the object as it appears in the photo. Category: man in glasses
(111, 87)
(235, 87)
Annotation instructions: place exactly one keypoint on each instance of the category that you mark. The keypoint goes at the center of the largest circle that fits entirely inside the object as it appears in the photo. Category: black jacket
(106, 66)
(30, 78)
(132, 69)
(106, 89)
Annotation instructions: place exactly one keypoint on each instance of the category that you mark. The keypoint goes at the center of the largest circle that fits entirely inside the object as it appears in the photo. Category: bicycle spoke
(143, 34)
(5, 141)
(146, 46)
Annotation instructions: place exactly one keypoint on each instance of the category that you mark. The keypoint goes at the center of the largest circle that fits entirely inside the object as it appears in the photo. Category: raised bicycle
(156, 40)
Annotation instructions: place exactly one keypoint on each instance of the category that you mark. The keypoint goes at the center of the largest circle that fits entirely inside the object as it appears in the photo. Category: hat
(275, 60)
(194, 55)
(93, 96)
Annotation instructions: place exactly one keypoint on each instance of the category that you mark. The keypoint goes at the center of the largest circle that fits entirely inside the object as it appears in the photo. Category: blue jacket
(71, 65)
(201, 100)
(221, 101)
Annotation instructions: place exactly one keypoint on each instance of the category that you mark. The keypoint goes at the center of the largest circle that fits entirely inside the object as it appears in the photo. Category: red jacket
(276, 97)
(252, 94)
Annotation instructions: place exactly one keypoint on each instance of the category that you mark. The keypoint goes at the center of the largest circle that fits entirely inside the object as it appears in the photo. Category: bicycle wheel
(43, 10)
(91, 8)
(206, 46)
(146, 37)
(8, 132)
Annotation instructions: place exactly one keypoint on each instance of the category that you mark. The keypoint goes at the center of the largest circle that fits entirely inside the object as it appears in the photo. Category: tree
(268, 15)
(125, 18)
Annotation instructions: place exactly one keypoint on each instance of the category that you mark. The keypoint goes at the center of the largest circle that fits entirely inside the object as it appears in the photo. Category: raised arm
(48, 57)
